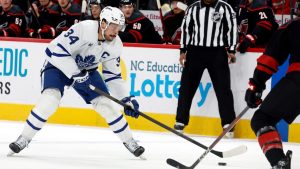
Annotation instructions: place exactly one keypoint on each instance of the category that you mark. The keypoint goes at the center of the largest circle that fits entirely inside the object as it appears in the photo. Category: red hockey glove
(254, 93)
(47, 32)
(248, 41)
(3, 33)
(32, 33)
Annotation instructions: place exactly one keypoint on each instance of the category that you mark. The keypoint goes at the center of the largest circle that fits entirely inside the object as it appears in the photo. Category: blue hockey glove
(133, 107)
(253, 94)
(81, 81)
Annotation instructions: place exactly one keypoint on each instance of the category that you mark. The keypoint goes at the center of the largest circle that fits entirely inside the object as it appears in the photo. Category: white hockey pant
(46, 106)
(113, 117)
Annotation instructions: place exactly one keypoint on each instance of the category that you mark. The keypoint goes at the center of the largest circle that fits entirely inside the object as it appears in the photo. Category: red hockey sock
(271, 144)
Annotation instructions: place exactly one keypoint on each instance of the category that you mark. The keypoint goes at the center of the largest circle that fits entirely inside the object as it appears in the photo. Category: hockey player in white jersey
(72, 59)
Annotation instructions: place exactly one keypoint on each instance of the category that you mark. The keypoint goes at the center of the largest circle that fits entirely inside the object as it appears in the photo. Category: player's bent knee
(260, 120)
(48, 102)
(106, 108)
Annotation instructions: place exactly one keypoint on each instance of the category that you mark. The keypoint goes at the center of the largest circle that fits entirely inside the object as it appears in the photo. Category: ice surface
(75, 147)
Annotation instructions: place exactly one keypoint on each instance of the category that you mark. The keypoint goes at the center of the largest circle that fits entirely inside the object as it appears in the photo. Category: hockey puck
(222, 164)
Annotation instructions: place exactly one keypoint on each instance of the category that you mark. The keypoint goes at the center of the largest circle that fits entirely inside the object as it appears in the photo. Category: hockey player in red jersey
(282, 6)
(283, 100)
(172, 22)
(47, 17)
(139, 28)
(257, 23)
(95, 7)
(12, 20)
(69, 15)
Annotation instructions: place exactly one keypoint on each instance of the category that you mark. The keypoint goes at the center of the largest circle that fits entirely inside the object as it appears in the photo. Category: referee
(208, 41)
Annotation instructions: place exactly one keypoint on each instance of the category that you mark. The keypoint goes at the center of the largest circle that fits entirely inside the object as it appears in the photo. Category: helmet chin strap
(103, 31)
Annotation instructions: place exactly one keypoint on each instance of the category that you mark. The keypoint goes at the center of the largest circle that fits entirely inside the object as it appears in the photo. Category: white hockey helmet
(94, 2)
(112, 15)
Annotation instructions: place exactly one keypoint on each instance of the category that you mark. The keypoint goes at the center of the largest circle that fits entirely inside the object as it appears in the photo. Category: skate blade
(10, 153)
(142, 157)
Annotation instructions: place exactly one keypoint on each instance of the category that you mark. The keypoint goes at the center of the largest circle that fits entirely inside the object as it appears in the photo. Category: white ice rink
(75, 147)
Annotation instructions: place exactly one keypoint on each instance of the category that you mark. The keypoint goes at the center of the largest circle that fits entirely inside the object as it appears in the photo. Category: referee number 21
(263, 15)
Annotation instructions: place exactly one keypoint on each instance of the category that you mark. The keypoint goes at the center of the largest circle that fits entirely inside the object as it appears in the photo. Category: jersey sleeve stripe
(268, 60)
(264, 69)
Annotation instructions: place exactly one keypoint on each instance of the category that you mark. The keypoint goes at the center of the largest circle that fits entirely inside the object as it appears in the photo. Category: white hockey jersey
(77, 49)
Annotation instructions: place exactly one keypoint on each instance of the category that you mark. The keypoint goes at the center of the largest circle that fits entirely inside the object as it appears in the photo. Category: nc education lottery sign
(153, 75)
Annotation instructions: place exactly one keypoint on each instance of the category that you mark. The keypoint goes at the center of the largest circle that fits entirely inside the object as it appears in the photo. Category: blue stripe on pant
(116, 121)
(37, 117)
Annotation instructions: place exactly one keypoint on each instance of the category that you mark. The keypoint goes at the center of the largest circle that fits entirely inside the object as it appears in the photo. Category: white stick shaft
(83, 6)
(158, 4)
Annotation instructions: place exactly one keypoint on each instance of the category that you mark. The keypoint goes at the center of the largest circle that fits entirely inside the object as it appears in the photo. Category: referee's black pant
(215, 60)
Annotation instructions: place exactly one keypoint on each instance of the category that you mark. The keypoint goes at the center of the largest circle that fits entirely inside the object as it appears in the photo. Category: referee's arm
(186, 25)
(232, 29)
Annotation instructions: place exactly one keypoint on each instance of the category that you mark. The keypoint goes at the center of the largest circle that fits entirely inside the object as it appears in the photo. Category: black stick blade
(176, 164)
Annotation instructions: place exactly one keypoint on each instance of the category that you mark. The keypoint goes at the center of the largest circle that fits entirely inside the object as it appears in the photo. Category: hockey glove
(248, 41)
(3, 33)
(81, 81)
(254, 93)
(32, 33)
(60, 29)
(47, 32)
(133, 107)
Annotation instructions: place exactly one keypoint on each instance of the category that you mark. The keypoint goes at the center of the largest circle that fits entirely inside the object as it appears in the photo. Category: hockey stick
(34, 14)
(83, 9)
(161, 16)
(176, 164)
(225, 154)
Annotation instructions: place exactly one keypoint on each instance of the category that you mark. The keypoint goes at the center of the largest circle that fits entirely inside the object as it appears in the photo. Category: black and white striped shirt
(209, 26)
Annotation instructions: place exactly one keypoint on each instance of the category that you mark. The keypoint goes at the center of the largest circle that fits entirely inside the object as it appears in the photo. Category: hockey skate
(284, 163)
(179, 127)
(134, 148)
(18, 145)
(229, 134)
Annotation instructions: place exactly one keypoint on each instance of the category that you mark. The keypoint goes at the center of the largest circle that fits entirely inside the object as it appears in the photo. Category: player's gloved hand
(47, 32)
(81, 81)
(3, 33)
(176, 37)
(133, 106)
(60, 29)
(248, 41)
(32, 33)
(254, 93)
(166, 39)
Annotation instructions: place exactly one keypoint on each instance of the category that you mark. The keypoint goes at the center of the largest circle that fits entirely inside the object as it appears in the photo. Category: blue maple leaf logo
(84, 62)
